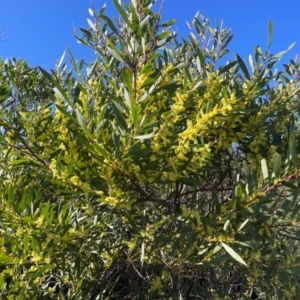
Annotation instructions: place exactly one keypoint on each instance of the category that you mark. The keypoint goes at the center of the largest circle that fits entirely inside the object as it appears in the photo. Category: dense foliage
(157, 172)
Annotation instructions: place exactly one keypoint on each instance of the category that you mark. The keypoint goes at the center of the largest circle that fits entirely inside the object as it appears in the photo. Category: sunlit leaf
(233, 254)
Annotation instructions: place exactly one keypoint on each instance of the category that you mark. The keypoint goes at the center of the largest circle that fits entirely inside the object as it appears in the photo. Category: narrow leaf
(243, 67)
(144, 137)
(276, 165)
(246, 170)
(280, 54)
(264, 168)
(142, 252)
(92, 25)
(292, 144)
(226, 224)
(5, 259)
(243, 224)
(115, 54)
(122, 12)
(270, 31)
(40, 272)
(233, 254)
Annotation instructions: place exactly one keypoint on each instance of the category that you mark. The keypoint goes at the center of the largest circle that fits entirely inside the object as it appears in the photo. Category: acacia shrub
(154, 172)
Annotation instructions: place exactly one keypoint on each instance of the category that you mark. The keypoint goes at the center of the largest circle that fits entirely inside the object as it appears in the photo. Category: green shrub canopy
(156, 172)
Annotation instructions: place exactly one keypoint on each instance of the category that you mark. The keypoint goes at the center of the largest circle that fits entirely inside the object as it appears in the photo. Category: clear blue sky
(40, 30)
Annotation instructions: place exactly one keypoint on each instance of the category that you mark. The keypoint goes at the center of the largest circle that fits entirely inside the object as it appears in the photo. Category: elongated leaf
(238, 191)
(201, 57)
(5, 259)
(119, 116)
(61, 60)
(280, 54)
(276, 165)
(270, 33)
(233, 254)
(243, 225)
(91, 12)
(168, 23)
(227, 222)
(81, 121)
(40, 271)
(122, 12)
(127, 79)
(292, 145)
(142, 252)
(145, 21)
(246, 170)
(198, 64)
(101, 125)
(144, 137)
(102, 151)
(163, 35)
(110, 24)
(59, 90)
(162, 42)
(227, 67)
(264, 168)
(67, 114)
(115, 54)
(243, 66)
(92, 25)
(251, 63)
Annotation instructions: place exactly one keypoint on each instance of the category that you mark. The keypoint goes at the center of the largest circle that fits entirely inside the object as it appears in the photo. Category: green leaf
(145, 21)
(63, 111)
(163, 35)
(238, 191)
(110, 24)
(227, 67)
(5, 259)
(198, 64)
(22, 162)
(101, 125)
(264, 168)
(201, 56)
(122, 12)
(91, 70)
(127, 79)
(227, 222)
(292, 144)
(119, 116)
(233, 254)
(243, 66)
(61, 60)
(276, 165)
(270, 33)
(162, 42)
(246, 170)
(92, 25)
(40, 271)
(101, 150)
(243, 225)
(59, 90)
(168, 23)
(142, 252)
(81, 121)
(144, 137)
(280, 54)
(115, 54)
(143, 46)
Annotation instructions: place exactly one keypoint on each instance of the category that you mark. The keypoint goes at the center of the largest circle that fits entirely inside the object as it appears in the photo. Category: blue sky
(41, 30)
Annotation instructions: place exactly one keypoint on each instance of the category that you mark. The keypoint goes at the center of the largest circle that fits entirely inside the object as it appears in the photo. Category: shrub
(158, 171)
